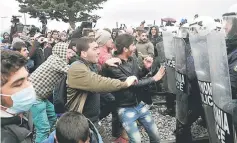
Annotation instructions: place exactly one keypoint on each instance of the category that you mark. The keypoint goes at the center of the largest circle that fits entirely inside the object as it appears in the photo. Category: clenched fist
(131, 80)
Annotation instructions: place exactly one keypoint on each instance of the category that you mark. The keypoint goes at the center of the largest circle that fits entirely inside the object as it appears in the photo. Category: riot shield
(201, 62)
(161, 52)
(221, 88)
(181, 80)
(168, 41)
(161, 59)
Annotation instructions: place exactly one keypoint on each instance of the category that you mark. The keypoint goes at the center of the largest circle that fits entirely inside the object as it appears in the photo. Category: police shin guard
(170, 104)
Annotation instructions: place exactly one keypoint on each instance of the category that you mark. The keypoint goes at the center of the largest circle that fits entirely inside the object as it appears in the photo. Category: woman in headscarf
(154, 37)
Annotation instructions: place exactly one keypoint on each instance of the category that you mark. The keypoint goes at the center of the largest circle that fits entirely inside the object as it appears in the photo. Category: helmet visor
(230, 25)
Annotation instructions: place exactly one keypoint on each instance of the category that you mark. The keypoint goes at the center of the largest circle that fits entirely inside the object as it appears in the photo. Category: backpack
(60, 95)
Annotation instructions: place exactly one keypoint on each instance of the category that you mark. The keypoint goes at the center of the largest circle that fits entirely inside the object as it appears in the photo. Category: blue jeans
(44, 118)
(141, 113)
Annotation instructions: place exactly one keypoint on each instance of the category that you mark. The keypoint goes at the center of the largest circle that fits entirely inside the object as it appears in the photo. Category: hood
(95, 136)
(18, 126)
(10, 120)
(60, 50)
(157, 30)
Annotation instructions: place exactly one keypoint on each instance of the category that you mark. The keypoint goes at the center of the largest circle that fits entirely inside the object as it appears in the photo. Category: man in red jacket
(105, 42)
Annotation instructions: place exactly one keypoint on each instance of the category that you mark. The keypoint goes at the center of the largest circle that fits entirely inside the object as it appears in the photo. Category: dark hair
(157, 30)
(86, 31)
(140, 32)
(4, 34)
(123, 41)
(233, 31)
(73, 42)
(17, 46)
(83, 44)
(77, 33)
(72, 127)
(11, 62)
(54, 31)
(116, 31)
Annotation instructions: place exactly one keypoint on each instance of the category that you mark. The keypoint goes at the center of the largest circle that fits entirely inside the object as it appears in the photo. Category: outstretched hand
(159, 74)
(131, 80)
(113, 62)
(148, 61)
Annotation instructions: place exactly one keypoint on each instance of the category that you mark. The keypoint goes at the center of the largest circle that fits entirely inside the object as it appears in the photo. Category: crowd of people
(91, 65)
(58, 87)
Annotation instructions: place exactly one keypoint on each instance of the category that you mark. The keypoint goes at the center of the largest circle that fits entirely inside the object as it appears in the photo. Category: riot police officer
(166, 56)
(188, 99)
(222, 60)
(230, 27)
(199, 30)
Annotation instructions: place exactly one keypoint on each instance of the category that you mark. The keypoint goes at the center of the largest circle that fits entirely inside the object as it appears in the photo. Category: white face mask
(22, 100)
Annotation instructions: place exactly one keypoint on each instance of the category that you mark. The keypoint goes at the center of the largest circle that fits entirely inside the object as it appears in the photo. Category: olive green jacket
(82, 81)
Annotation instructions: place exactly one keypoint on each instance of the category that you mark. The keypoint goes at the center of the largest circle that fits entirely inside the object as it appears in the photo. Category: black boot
(170, 104)
(183, 133)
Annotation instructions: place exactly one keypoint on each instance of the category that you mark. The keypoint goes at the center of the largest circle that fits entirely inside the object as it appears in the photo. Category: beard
(144, 40)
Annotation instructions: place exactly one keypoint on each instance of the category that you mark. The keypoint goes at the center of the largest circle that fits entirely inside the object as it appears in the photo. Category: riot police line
(201, 68)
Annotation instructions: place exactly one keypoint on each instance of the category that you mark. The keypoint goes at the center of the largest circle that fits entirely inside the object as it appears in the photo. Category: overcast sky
(131, 12)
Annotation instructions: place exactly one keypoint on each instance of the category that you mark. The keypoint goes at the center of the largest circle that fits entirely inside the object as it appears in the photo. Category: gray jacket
(16, 129)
